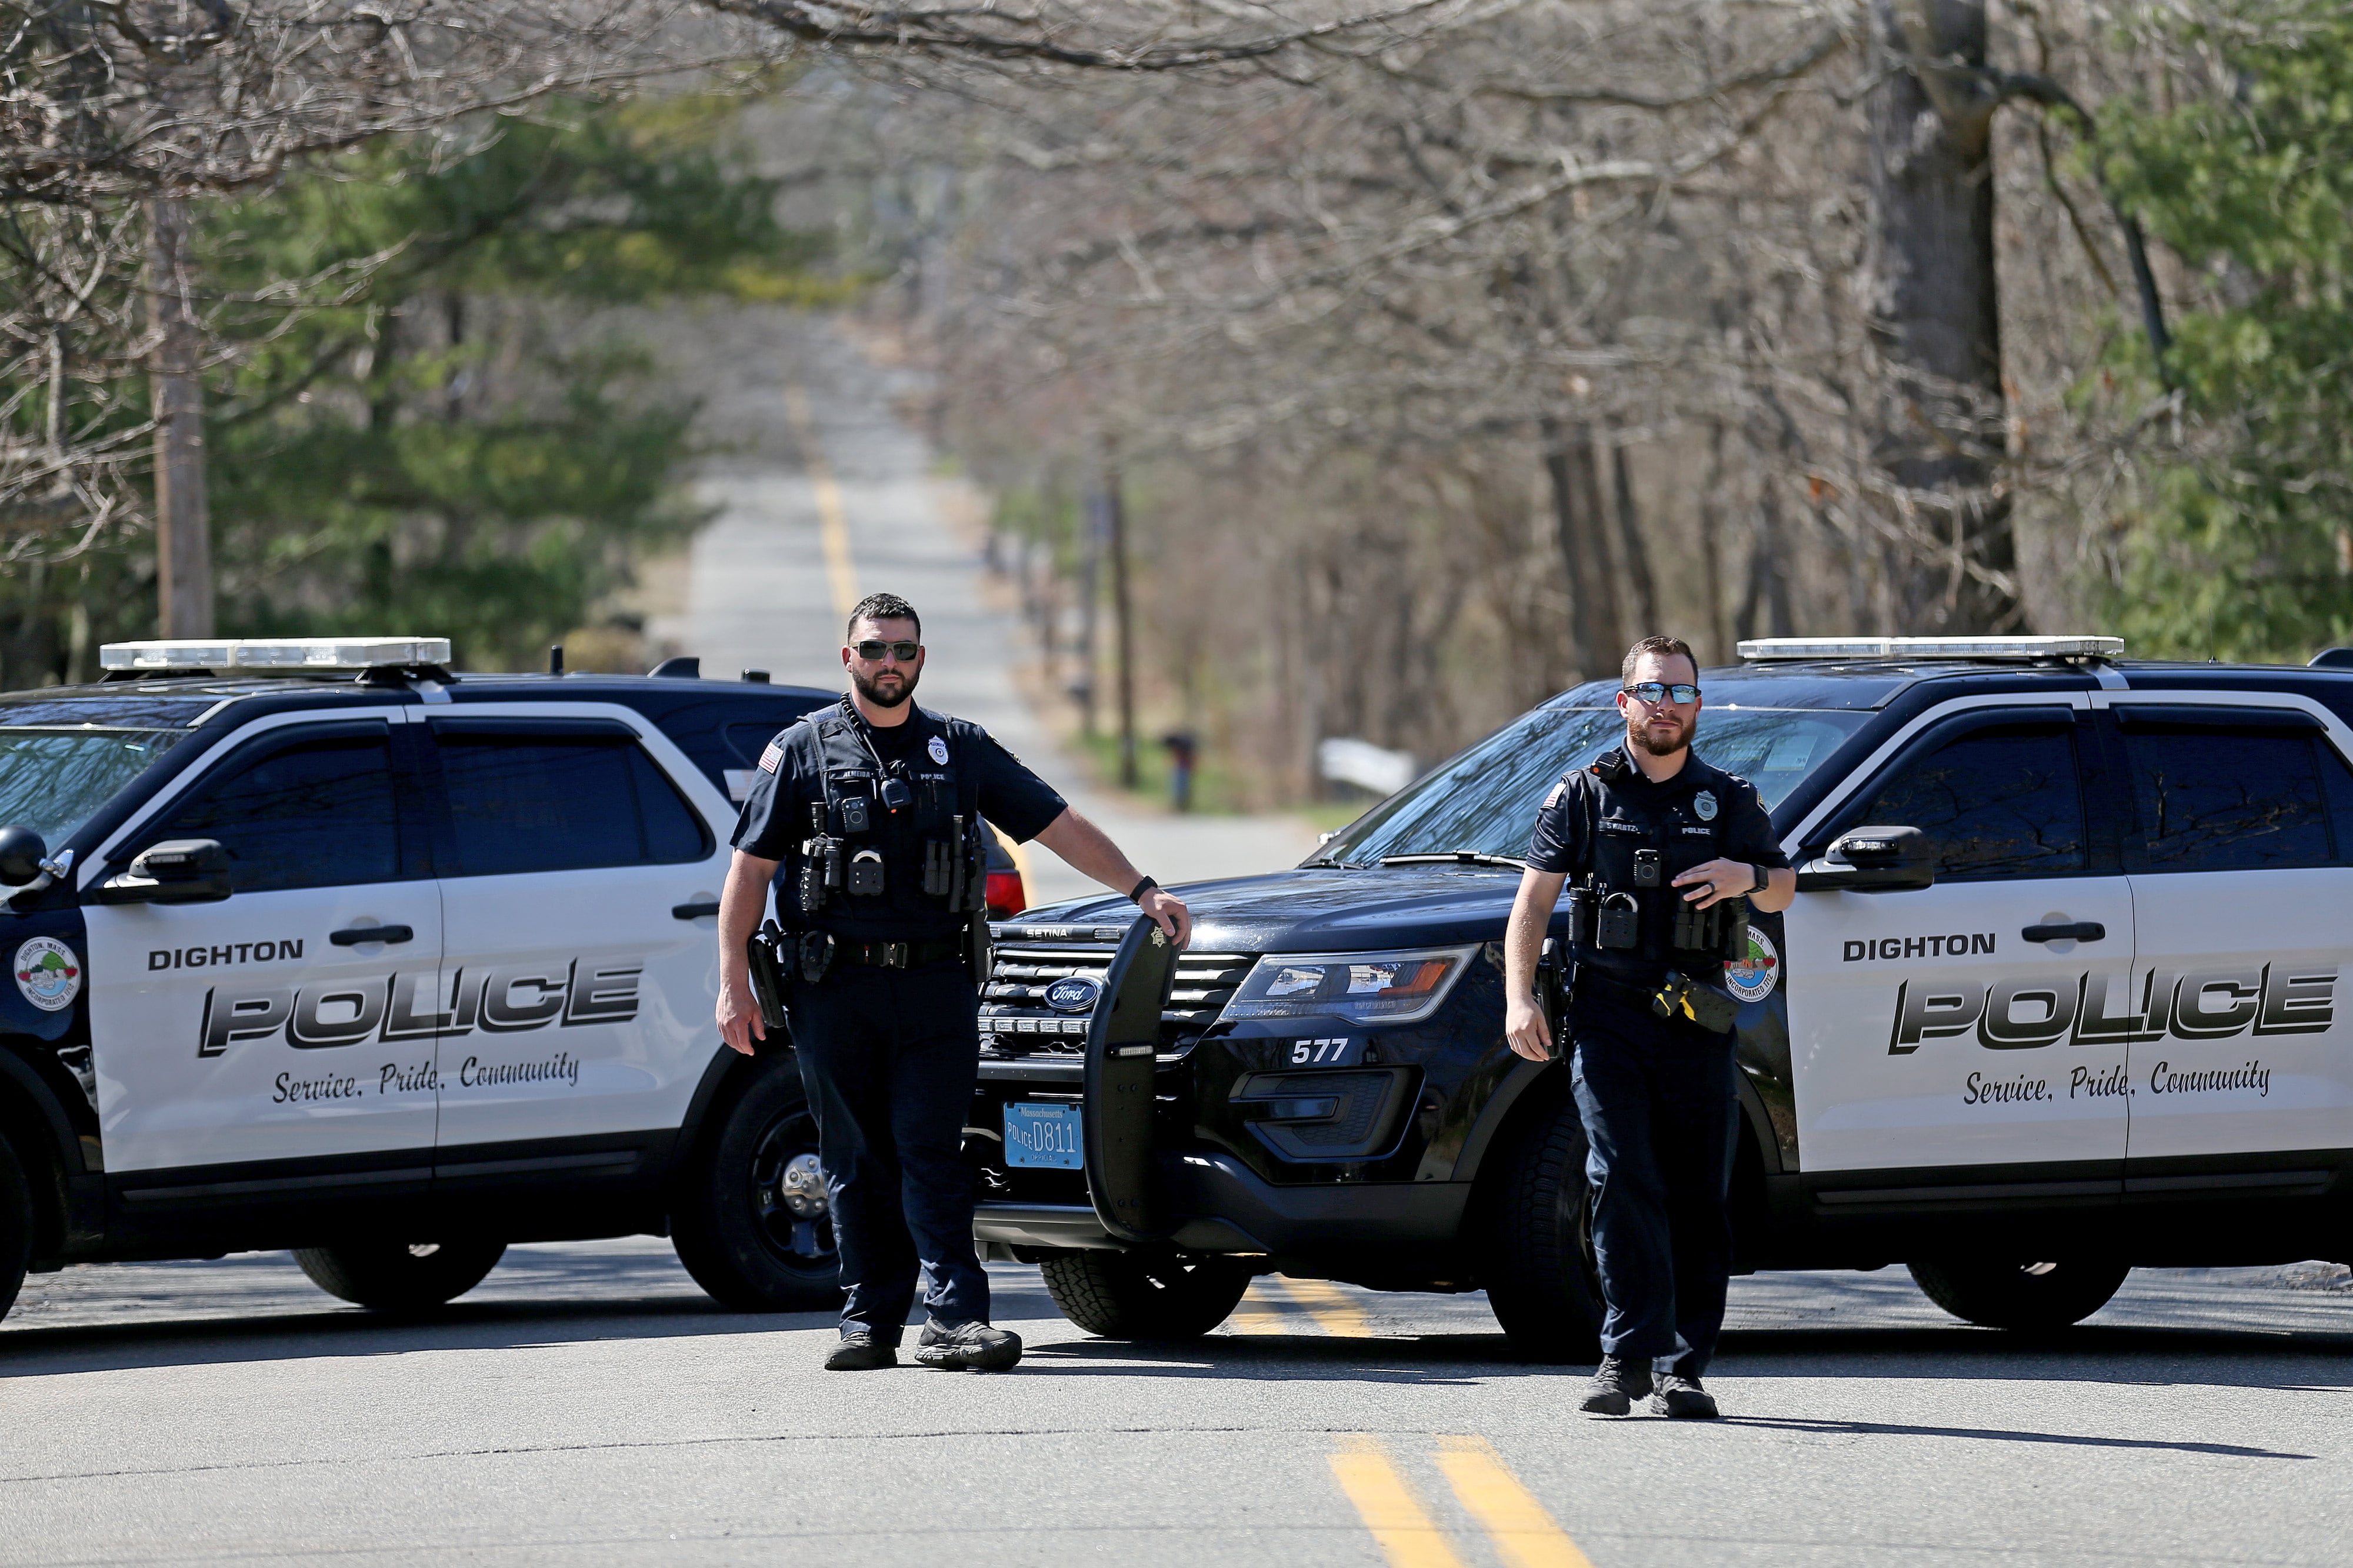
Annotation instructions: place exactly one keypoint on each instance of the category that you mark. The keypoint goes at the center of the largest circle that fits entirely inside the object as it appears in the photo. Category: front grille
(1016, 1021)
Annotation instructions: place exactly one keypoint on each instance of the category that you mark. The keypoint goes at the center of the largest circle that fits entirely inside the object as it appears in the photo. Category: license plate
(1043, 1136)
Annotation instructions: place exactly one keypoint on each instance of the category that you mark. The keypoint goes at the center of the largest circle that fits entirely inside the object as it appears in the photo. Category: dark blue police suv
(2083, 1019)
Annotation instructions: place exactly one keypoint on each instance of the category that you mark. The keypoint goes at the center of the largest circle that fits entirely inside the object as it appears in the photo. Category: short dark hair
(884, 607)
(1665, 647)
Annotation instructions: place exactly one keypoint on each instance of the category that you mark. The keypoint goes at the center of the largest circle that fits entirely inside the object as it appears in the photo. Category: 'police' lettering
(1926, 1011)
(2118, 1008)
(607, 994)
(240, 1015)
(501, 1009)
(415, 1005)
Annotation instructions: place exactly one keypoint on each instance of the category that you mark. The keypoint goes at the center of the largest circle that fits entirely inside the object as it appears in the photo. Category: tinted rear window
(2215, 800)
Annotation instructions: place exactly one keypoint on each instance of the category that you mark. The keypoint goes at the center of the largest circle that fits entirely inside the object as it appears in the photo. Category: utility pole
(184, 547)
(1123, 623)
(1091, 527)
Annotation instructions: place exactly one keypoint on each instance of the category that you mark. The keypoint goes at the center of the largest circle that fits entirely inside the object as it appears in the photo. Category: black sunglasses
(1652, 690)
(905, 651)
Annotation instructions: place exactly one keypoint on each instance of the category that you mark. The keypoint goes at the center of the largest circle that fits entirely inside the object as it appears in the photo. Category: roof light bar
(282, 653)
(1766, 648)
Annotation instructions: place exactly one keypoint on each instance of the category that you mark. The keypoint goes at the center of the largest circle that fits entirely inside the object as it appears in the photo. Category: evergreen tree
(418, 422)
(2244, 548)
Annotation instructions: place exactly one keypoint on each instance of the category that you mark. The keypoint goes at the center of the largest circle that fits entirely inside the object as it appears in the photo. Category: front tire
(754, 1224)
(1541, 1282)
(400, 1277)
(2005, 1295)
(1119, 1296)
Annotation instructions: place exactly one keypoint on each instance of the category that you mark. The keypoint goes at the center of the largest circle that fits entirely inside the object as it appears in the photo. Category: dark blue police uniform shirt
(1560, 843)
(776, 814)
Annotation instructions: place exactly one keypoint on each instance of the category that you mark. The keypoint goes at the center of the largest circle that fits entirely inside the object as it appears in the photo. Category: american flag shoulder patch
(770, 758)
(1558, 790)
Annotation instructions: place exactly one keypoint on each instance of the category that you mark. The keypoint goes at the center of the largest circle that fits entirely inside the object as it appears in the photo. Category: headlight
(1363, 987)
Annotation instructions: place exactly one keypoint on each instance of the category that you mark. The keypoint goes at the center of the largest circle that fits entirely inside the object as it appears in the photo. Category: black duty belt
(896, 954)
(1626, 993)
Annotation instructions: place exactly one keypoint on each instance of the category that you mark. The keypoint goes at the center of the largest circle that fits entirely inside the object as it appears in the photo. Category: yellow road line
(1384, 1500)
(833, 526)
(1525, 1534)
(1331, 1306)
(1260, 1313)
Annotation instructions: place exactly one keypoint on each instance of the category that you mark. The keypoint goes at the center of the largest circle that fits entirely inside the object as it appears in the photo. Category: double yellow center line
(1525, 1535)
(1275, 1304)
(832, 523)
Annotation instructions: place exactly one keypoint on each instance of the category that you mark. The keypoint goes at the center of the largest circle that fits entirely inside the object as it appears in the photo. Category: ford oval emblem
(1074, 994)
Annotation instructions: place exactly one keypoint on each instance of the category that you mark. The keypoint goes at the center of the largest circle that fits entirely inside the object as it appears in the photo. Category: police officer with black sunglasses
(1670, 853)
(874, 811)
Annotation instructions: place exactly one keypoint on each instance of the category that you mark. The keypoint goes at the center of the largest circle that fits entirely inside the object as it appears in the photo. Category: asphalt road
(585, 1405)
(820, 492)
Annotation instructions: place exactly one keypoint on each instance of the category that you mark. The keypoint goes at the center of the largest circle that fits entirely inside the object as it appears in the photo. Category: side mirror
(1872, 860)
(21, 854)
(177, 871)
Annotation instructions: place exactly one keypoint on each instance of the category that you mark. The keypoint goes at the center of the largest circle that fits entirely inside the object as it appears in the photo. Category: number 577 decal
(1342, 1051)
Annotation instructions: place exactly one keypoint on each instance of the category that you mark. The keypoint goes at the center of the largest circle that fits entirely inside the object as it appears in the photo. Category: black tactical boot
(1617, 1382)
(968, 1347)
(1683, 1399)
(860, 1350)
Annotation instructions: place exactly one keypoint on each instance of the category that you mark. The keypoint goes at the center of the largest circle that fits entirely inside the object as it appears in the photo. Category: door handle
(2074, 930)
(352, 936)
(693, 911)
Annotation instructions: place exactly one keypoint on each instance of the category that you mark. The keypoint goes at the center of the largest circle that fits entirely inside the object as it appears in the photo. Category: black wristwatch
(1758, 873)
(1135, 894)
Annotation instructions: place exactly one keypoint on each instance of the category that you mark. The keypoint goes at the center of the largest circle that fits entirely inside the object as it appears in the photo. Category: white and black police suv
(2060, 994)
(315, 945)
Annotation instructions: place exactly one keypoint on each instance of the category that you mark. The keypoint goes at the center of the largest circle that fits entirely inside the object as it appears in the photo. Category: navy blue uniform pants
(891, 1058)
(1657, 1101)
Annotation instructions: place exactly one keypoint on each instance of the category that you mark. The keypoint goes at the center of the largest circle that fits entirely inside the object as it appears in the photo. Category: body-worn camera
(1646, 867)
(857, 816)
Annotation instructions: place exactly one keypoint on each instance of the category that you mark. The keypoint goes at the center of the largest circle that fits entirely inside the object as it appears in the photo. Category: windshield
(1485, 799)
(52, 780)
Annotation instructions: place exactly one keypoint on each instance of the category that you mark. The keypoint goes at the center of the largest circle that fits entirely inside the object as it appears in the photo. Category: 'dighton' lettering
(409, 1006)
(2279, 998)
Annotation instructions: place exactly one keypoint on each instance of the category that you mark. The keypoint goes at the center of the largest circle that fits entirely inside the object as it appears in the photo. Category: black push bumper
(1220, 1205)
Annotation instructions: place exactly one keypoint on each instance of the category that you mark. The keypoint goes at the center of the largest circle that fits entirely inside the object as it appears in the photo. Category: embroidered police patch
(1704, 806)
(939, 750)
(770, 758)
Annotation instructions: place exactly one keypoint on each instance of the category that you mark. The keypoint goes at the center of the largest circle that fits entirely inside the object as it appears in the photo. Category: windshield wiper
(1456, 857)
(1325, 862)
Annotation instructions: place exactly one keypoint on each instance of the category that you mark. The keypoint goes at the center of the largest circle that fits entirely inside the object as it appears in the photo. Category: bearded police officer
(1669, 854)
(873, 810)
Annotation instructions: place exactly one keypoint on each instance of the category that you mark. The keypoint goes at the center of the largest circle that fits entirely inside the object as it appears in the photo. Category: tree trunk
(1631, 547)
(184, 550)
(1584, 550)
(1934, 312)
(1123, 617)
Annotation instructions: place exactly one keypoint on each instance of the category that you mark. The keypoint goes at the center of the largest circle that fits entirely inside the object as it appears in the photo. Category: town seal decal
(49, 974)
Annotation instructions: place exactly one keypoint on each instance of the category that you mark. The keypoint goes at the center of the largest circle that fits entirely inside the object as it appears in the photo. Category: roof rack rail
(1766, 649)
